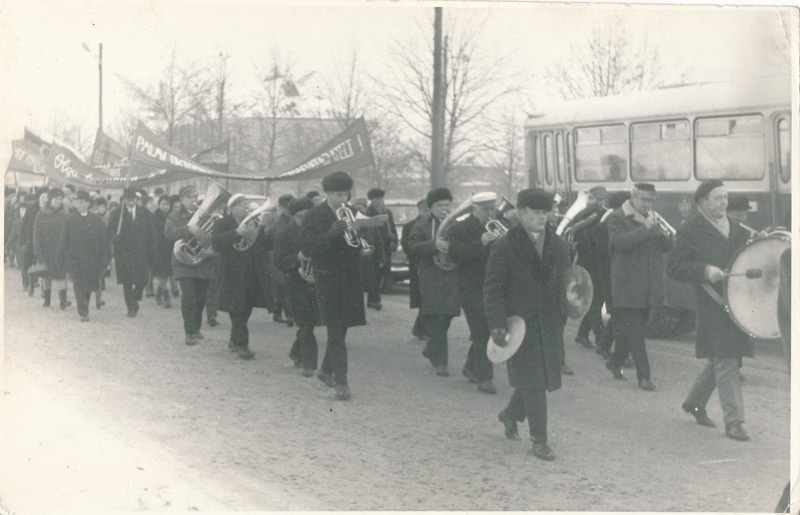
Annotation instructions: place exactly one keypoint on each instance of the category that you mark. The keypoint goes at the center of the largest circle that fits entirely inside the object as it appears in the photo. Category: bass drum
(753, 303)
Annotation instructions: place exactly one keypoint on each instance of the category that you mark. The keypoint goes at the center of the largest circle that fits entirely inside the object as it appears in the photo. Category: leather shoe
(441, 371)
(84, 319)
(582, 340)
(699, 414)
(212, 322)
(426, 353)
(326, 378)
(543, 451)
(244, 352)
(199, 336)
(647, 385)
(735, 431)
(628, 363)
(603, 352)
(231, 346)
(375, 305)
(131, 314)
(616, 371)
(190, 340)
(487, 387)
(470, 375)
(290, 321)
(565, 370)
(342, 392)
(510, 426)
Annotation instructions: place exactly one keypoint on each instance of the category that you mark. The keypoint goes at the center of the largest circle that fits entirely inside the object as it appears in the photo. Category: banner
(65, 167)
(27, 157)
(348, 151)
(106, 151)
(216, 157)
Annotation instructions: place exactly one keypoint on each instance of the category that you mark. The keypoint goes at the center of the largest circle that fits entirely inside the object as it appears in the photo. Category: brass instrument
(257, 214)
(494, 225)
(351, 234)
(193, 250)
(581, 203)
(665, 227)
(306, 269)
(441, 259)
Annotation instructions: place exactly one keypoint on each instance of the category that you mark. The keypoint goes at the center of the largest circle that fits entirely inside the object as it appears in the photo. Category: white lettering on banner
(147, 147)
(64, 165)
(340, 152)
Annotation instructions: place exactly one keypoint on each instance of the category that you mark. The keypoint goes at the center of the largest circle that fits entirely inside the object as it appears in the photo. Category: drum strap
(713, 294)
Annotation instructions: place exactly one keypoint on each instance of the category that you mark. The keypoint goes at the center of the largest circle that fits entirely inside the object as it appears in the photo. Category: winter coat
(25, 244)
(301, 295)
(245, 277)
(470, 256)
(133, 246)
(83, 250)
(700, 244)
(438, 288)
(47, 230)
(162, 251)
(176, 228)
(336, 269)
(637, 260)
(413, 266)
(519, 282)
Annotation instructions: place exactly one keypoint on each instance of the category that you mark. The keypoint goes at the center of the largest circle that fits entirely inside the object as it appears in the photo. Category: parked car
(404, 210)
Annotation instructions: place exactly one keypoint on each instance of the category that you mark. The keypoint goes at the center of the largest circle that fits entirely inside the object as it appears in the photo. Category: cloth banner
(65, 167)
(217, 157)
(27, 157)
(106, 151)
(348, 151)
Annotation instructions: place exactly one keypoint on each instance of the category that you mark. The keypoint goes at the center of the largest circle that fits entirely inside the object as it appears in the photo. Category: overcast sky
(46, 71)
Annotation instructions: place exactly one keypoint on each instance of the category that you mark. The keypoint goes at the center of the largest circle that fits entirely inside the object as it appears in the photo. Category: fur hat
(645, 186)
(285, 199)
(300, 204)
(705, 188)
(535, 198)
(83, 195)
(128, 193)
(337, 181)
(375, 193)
(438, 194)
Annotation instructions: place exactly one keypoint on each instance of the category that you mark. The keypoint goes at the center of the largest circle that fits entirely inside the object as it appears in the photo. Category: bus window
(536, 166)
(560, 157)
(730, 148)
(548, 159)
(784, 149)
(569, 154)
(601, 153)
(661, 151)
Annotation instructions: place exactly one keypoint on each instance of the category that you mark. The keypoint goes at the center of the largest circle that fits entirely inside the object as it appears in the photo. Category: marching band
(509, 266)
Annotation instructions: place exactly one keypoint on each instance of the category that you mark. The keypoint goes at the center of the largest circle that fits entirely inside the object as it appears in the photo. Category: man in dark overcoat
(281, 304)
(26, 237)
(388, 232)
(300, 294)
(636, 247)
(133, 247)
(469, 249)
(524, 277)
(194, 280)
(705, 245)
(83, 251)
(245, 277)
(438, 287)
(413, 268)
(338, 278)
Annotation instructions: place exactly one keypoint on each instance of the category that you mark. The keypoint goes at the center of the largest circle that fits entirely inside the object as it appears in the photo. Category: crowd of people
(311, 263)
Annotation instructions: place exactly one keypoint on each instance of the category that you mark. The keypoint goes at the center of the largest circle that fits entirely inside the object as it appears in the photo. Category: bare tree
(505, 151)
(610, 63)
(477, 81)
(74, 133)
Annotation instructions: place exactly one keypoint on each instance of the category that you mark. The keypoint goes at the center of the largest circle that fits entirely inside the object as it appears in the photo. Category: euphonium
(441, 259)
(579, 205)
(665, 227)
(306, 269)
(192, 251)
(255, 215)
(351, 234)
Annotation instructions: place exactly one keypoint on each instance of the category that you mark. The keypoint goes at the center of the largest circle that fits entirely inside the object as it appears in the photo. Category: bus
(738, 132)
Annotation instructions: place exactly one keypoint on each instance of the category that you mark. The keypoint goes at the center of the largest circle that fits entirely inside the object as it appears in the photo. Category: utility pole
(437, 114)
(100, 88)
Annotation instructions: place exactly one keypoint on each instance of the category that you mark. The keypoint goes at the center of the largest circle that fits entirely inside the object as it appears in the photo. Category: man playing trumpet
(470, 242)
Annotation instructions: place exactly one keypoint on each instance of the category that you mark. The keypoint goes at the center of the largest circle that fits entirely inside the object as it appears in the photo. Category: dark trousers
(240, 336)
(81, 299)
(436, 330)
(629, 330)
(419, 326)
(193, 301)
(607, 339)
(212, 294)
(532, 404)
(132, 294)
(373, 279)
(477, 361)
(281, 296)
(593, 320)
(335, 360)
(304, 348)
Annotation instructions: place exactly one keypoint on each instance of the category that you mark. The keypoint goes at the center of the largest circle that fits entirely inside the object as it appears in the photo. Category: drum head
(752, 303)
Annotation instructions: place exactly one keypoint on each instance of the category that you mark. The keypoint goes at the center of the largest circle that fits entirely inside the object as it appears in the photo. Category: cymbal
(577, 291)
(514, 337)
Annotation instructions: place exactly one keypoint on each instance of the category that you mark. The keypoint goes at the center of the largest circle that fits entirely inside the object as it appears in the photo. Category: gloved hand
(499, 336)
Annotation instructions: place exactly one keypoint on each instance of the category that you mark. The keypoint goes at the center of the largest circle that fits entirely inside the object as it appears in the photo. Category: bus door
(780, 167)
(548, 160)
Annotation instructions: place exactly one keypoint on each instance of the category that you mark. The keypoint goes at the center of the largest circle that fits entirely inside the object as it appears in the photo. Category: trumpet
(255, 214)
(351, 235)
(665, 227)
(306, 269)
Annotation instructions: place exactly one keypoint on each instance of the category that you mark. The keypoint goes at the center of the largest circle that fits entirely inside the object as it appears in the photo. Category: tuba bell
(192, 251)
(579, 205)
(257, 211)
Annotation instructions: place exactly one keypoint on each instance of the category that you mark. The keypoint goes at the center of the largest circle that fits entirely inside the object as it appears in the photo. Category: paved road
(119, 414)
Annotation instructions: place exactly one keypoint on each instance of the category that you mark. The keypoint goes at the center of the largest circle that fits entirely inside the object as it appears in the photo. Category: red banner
(216, 157)
(65, 167)
(26, 157)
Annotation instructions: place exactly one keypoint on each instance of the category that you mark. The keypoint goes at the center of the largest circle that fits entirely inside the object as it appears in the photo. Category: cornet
(665, 227)
(351, 235)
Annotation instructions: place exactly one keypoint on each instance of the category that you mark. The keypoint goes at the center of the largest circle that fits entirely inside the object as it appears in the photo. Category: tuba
(579, 205)
(192, 251)
(351, 234)
(256, 214)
